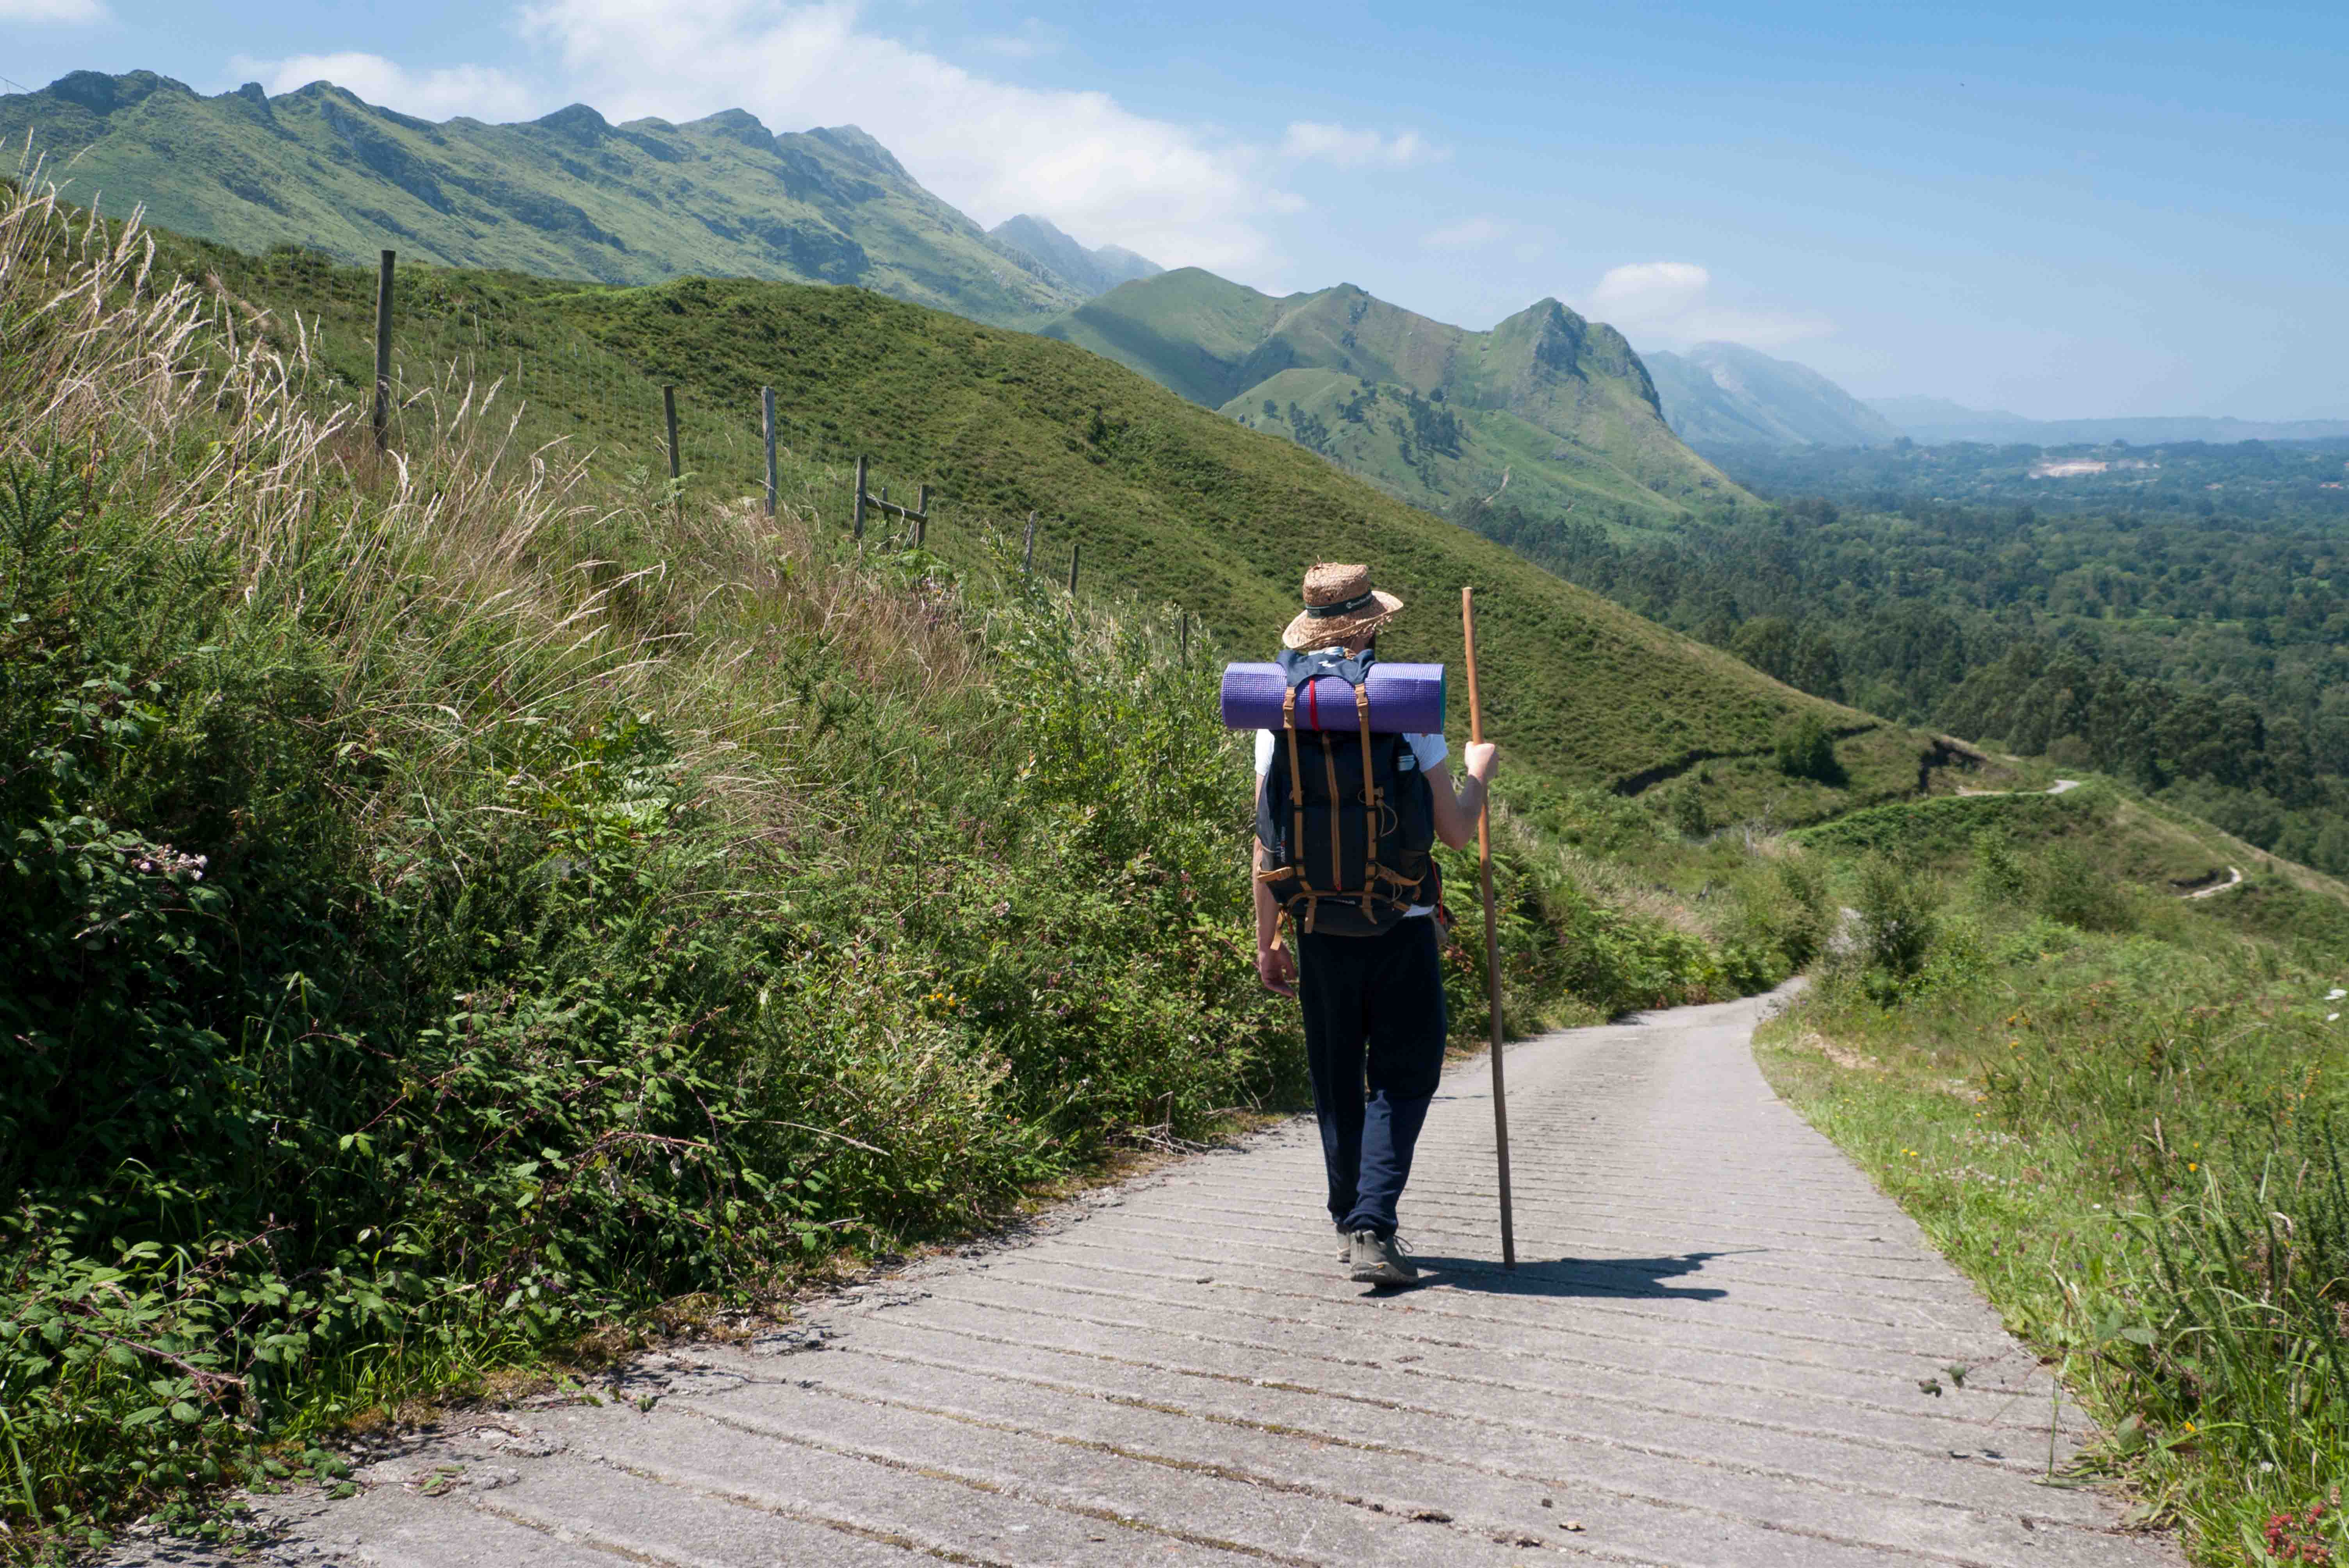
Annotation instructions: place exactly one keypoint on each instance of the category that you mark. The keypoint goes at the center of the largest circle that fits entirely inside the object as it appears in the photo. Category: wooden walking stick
(1492, 937)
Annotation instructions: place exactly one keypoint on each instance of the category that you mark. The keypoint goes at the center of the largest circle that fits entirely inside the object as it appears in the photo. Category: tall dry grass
(460, 558)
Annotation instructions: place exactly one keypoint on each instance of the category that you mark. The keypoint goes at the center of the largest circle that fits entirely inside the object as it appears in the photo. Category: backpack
(1349, 822)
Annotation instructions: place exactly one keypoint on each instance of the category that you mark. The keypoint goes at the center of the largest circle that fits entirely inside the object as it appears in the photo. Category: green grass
(2120, 1116)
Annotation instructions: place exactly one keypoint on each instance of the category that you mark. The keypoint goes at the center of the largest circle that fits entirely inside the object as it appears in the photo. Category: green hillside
(1167, 500)
(1421, 450)
(1559, 407)
(569, 196)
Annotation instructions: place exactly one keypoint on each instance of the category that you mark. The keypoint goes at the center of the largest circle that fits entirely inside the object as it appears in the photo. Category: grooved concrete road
(1711, 1354)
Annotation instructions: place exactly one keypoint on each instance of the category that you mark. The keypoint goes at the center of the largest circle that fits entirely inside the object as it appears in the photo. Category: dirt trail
(2061, 787)
(2234, 879)
(1723, 1346)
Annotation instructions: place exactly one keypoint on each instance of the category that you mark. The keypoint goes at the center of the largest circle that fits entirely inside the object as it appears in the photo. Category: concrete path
(1712, 1353)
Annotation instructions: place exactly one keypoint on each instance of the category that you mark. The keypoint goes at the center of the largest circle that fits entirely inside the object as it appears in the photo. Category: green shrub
(1783, 907)
(1999, 880)
(1684, 809)
(2068, 887)
(1805, 749)
(1893, 927)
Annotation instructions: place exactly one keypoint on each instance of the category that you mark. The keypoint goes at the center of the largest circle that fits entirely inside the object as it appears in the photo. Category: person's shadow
(1634, 1279)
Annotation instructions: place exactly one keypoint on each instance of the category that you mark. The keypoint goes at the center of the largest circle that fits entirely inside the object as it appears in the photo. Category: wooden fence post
(767, 416)
(675, 461)
(1027, 552)
(1074, 551)
(922, 518)
(1184, 640)
(383, 353)
(860, 498)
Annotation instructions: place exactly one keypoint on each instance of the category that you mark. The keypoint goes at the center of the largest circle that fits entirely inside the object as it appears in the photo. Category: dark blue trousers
(1374, 1030)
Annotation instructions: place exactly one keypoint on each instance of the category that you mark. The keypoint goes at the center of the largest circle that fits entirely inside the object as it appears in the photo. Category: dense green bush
(1805, 749)
(1894, 922)
(326, 1063)
(1999, 880)
(2068, 887)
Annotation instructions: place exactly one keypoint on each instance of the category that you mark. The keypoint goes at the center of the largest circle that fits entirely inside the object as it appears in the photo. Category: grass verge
(2120, 1115)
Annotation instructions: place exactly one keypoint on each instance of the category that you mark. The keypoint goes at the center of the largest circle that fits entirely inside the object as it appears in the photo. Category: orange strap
(1296, 782)
(1329, 769)
(1370, 789)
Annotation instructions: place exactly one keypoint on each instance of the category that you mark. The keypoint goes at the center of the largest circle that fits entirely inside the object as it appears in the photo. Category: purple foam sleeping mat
(1406, 699)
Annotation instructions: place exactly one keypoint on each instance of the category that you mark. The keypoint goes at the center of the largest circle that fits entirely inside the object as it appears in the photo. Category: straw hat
(1341, 607)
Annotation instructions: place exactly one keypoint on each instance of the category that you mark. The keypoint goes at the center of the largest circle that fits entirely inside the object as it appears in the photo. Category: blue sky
(2064, 210)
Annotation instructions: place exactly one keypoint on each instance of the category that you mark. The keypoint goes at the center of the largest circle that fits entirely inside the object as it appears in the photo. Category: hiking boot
(1381, 1260)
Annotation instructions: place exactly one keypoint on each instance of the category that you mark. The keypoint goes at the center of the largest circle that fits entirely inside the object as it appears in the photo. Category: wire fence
(412, 333)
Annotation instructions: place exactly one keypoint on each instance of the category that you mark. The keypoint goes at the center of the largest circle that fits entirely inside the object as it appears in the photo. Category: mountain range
(1550, 410)
(1090, 272)
(1553, 411)
(1726, 395)
(1932, 421)
(570, 195)
(1548, 416)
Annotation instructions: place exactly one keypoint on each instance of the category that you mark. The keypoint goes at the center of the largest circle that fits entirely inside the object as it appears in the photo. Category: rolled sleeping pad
(1406, 699)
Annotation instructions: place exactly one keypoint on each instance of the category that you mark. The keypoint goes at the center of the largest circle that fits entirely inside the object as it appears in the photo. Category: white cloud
(482, 91)
(1352, 149)
(1671, 303)
(992, 149)
(1466, 234)
(71, 13)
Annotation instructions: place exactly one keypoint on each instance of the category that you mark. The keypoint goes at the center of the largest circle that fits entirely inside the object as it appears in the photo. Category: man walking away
(1344, 824)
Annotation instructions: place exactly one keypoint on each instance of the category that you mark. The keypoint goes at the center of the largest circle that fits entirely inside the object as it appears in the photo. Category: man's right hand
(1277, 967)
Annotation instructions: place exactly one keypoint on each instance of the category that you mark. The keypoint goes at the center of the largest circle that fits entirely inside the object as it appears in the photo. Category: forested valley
(2200, 656)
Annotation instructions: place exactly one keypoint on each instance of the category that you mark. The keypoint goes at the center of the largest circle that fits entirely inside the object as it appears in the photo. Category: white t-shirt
(1426, 751)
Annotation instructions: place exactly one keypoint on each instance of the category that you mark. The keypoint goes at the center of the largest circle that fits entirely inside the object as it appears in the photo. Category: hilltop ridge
(568, 195)
(1559, 407)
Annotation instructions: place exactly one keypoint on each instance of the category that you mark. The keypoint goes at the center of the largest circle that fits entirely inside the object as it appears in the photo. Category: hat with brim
(1341, 607)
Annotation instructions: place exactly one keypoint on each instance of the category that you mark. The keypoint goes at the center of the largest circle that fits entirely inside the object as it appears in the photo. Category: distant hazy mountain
(569, 196)
(1725, 395)
(1933, 420)
(1436, 415)
(1090, 272)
